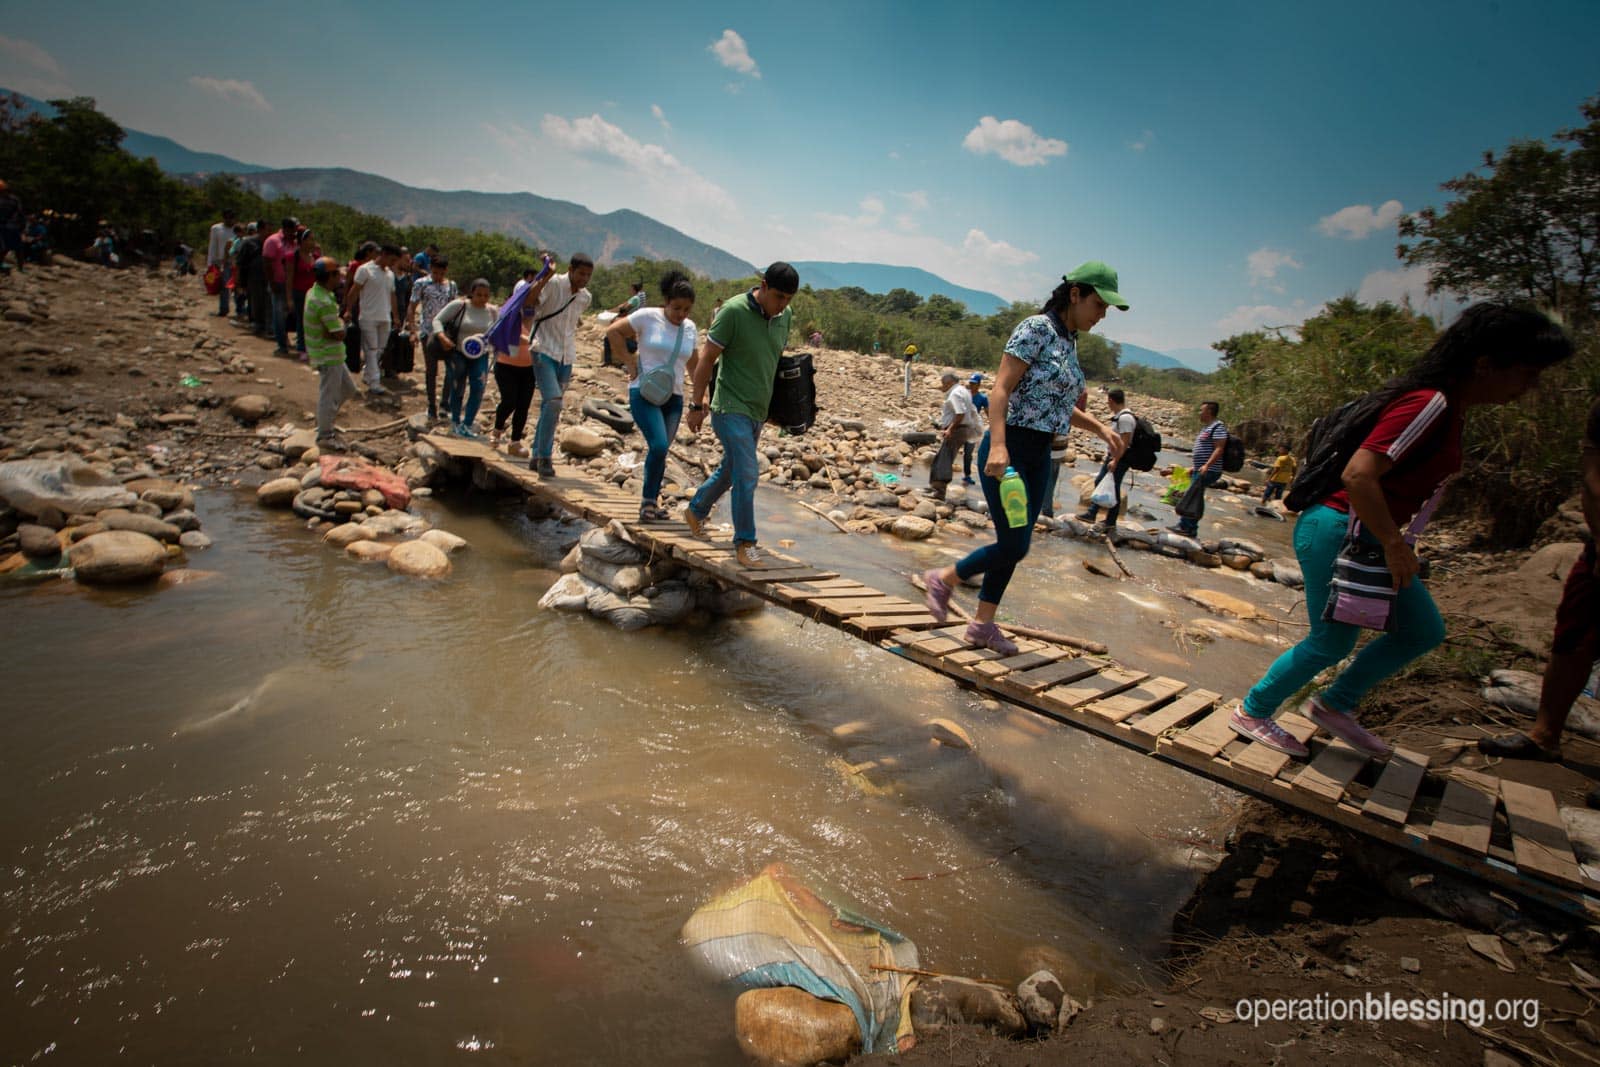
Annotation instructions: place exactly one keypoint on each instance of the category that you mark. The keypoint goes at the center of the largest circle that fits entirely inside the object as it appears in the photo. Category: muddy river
(306, 808)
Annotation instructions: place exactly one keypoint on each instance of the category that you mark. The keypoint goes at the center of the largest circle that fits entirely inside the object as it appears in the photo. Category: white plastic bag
(1105, 491)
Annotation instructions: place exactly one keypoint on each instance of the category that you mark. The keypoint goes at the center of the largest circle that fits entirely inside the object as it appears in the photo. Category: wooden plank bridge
(1501, 832)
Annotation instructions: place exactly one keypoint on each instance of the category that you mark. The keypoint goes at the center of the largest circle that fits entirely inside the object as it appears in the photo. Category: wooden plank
(1100, 684)
(1331, 771)
(1022, 661)
(764, 575)
(870, 625)
(1538, 838)
(1141, 697)
(1397, 787)
(1070, 670)
(1208, 736)
(1179, 711)
(866, 605)
(1465, 817)
(1266, 762)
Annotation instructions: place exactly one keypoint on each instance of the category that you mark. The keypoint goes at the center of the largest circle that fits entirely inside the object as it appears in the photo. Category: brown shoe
(749, 556)
(695, 523)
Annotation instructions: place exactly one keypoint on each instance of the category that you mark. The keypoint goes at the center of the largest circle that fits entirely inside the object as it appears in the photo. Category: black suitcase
(794, 394)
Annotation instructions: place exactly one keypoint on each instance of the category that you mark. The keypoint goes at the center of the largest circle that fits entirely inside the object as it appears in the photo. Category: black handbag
(398, 355)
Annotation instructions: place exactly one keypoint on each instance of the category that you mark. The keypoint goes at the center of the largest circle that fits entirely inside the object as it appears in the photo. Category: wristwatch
(696, 407)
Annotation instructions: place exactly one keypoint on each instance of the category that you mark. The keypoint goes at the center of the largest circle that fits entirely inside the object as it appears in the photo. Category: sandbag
(601, 544)
(635, 613)
(66, 484)
(569, 593)
(625, 579)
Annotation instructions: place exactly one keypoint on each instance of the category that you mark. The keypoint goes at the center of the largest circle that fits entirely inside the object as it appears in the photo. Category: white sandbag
(637, 612)
(625, 580)
(570, 593)
(606, 547)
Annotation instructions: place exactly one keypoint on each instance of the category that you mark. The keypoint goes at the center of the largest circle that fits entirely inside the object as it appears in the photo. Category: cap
(1102, 277)
(975, 379)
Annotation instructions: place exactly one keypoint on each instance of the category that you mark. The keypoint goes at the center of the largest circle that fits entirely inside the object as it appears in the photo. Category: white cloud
(980, 246)
(1247, 317)
(1396, 286)
(1360, 220)
(1264, 265)
(233, 91)
(1143, 141)
(661, 116)
(733, 53)
(907, 223)
(1013, 141)
(916, 199)
(893, 154)
(35, 71)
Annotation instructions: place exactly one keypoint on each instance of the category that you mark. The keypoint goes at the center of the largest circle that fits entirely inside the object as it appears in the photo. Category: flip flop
(1518, 746)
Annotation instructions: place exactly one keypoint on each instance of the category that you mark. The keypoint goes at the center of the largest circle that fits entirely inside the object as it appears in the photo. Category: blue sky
(1238, 163)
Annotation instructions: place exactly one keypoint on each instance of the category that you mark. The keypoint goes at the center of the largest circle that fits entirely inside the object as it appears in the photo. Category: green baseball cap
(1102, 278)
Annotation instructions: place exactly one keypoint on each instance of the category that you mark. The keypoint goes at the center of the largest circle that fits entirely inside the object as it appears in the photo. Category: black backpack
(1141, 454)
(794, 394)
(1233, 454)
(1334, 438)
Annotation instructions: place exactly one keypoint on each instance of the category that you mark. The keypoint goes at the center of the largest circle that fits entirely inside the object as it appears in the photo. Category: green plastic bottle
(1014, 498)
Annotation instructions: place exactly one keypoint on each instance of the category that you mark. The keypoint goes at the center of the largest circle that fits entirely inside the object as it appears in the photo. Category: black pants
(260, 301)
(516, 395)
(431, 358)
(1116, 481)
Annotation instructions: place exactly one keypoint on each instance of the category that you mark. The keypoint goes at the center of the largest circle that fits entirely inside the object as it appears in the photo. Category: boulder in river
(788, 1027)
(419, 559)
(193, 540)
(38, 542)
(369, 551)
(117, 519)
(168, 496)
(278, 493)
(912, 528)
(444, 541)
(118, 557)
(346, 534)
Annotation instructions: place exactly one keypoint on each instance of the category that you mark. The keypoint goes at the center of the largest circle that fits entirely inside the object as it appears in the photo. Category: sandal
(1518, 746)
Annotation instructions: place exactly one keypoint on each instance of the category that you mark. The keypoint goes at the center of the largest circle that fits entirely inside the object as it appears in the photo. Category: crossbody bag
(655, 384)
(1362, 591)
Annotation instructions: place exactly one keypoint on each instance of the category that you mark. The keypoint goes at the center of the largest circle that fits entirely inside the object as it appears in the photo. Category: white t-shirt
(558, 335)
(1123, 421)
(377, 288)
(959, 402)
(657, 340)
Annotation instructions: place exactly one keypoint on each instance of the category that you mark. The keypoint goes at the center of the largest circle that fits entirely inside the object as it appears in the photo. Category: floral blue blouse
(1044, 398)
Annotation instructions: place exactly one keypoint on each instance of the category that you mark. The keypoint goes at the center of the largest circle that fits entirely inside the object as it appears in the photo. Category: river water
(306, 808)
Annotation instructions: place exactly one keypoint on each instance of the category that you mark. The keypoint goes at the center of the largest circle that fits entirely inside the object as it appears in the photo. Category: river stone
(118, 557)
(193, 540)
(419, 559)
(444, 541)
(348, 507)
(396, 524)
(346, 534)
(297, 444)
(926, 509)
(250, 408)
(1288, 574)
(949, 734)
(278, 493)
(88, 529)
(38, 542)
(369, 551)
(582, 441)
(168, 496)
(937, 1001)
(912, 528)
(1203, 558)
(177, 418)
(1040, 996)
(116, 519)
(1262, 570)
(1248, 548)
(183, 519)
(1223, 604)
(1237, 561)
(788, 1027)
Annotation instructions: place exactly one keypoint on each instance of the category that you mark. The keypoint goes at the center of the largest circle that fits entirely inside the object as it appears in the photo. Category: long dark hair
(1506, 334)
(675, 285)
(1061, 298)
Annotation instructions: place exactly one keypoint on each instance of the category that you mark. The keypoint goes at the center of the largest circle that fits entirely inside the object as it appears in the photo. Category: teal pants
(1418, 628)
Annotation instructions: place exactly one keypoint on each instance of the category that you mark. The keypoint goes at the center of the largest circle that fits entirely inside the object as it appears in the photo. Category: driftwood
(842, 528)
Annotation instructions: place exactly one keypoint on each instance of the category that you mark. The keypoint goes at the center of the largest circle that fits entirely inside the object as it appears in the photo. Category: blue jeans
(463, 375)
(1190, 524)
(1418, 628)
(659, 425)
(1030, 457)
(551, 377)
(738, 469)
(280, 319)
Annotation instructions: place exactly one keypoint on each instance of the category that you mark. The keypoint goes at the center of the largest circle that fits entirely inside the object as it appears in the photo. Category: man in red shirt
(279, 252)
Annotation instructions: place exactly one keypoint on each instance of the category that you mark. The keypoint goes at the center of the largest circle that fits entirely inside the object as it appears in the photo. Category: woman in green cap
(1034, 398)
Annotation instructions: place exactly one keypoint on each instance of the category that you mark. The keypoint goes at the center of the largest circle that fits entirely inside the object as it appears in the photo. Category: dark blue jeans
(464, 376)
(659, 425)
(1030, 457)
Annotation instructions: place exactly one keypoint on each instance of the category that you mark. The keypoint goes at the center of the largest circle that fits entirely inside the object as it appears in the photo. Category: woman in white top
(665, 349)
(457, 321)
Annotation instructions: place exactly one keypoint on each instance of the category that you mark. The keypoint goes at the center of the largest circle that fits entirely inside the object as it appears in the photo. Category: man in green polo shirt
(742, 347)
(324, 333)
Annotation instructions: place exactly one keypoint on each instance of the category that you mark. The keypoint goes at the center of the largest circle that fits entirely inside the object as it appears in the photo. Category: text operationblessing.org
(1387, 1007)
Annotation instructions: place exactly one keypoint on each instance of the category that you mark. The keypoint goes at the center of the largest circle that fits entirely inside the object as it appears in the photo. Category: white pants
(374, 338)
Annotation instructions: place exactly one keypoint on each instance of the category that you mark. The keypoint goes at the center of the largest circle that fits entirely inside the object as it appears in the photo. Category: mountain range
(881, 278)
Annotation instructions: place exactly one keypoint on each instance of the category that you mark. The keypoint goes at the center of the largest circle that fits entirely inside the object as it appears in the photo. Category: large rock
(38, 542)
(278, 493)
(117, 519)
(395, 524)
(193, 540)
(582, 441)
(347, 534)
(369, 551)
(788, 1027)
(419, 560)
(118, 557)
(912, 528)
(298, 444)
(355, 473)
(250, 408)
(65, 485)
(1287, 573)
(444, 541)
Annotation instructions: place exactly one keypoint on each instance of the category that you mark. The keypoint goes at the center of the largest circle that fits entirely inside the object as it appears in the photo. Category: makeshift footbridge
(1502, 832)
